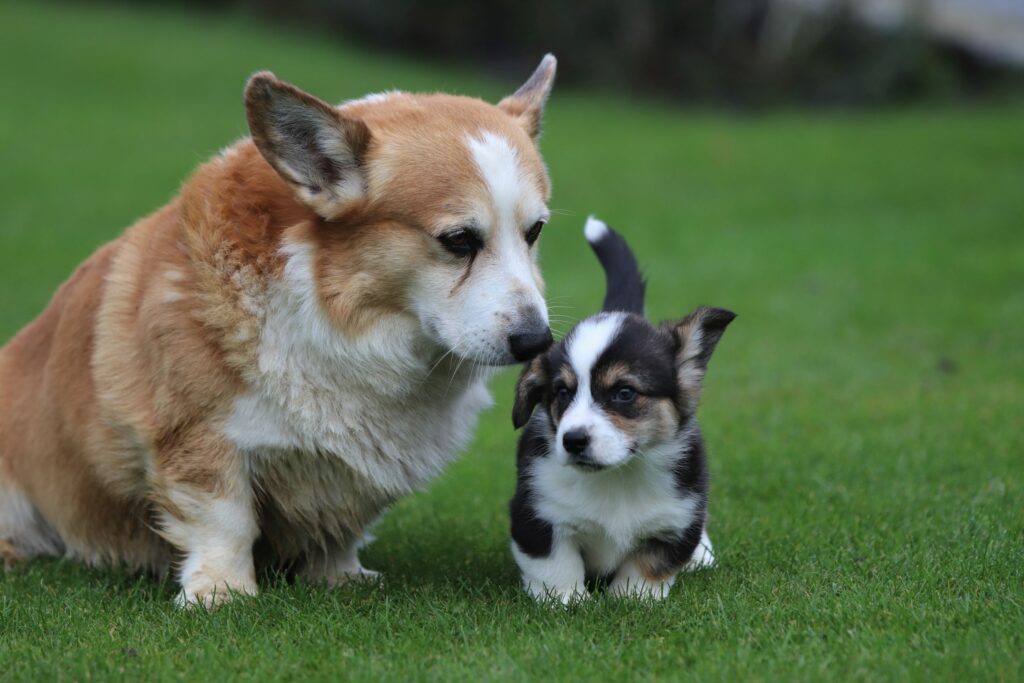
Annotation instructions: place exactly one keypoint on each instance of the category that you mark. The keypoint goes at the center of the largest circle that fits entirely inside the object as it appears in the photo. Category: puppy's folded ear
(526, 105)
(696, 336)
(529, 391)
(315, 149)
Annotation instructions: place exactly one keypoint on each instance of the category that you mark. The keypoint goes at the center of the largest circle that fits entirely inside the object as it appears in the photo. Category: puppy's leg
(338, 565)
(633, 580)
(703, 554)
(651, 570)
(560, 575)
(206, 510)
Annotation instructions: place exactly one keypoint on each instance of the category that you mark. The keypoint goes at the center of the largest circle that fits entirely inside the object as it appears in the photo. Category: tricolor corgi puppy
(613, 482)
(301, 337)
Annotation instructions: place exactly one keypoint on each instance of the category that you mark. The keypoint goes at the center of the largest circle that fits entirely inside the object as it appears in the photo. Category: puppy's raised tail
(624, 285)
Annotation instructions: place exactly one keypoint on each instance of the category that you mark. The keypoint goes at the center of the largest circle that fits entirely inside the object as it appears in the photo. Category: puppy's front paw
(631, 582)
(640, 589)
(554, 595)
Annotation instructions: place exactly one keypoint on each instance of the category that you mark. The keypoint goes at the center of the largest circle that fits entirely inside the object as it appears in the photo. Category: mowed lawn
(864, 413)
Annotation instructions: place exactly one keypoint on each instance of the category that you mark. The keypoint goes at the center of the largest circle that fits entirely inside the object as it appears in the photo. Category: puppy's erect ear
(526, 105)
(315, 149)
(696, 336)
(529, 391)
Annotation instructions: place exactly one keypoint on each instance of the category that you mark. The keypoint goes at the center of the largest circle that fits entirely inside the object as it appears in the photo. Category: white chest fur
(609, 512)
(375, 416)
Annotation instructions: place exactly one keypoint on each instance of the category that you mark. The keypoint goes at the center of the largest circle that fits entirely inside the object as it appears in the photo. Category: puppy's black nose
(576, 441)
(527, 344)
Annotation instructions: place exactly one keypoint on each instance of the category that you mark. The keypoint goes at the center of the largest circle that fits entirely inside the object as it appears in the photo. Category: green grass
(864, 414)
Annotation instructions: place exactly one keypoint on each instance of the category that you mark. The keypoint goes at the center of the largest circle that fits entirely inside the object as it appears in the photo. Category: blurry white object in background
(989, 28)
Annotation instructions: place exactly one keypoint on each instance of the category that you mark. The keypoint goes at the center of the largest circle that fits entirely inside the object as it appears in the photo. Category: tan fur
(654, 568)
(9, 555)
(656, 420)
(613, 374)
(112, 402)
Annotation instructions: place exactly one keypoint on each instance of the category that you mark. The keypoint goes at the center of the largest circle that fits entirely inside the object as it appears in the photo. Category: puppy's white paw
(640, 589)
(558, 596)
(631, 582)
(558, 578)
(704, 555)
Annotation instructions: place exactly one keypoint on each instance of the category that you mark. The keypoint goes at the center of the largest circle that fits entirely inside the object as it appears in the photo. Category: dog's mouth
(451, 362)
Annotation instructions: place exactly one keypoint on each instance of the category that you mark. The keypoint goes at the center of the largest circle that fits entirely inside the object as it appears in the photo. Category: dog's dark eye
(461, 242)
(562, 395)
(625, 395)
(534, 232)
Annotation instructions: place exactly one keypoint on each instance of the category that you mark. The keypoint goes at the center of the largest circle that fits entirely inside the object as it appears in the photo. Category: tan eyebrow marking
(567, 376)
(616, 373)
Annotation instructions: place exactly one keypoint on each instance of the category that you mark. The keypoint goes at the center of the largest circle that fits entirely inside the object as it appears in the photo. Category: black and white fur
(612, 474)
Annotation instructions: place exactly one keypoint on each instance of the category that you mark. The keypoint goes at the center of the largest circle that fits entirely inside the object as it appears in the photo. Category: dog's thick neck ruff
(299, 338)
(389, 403)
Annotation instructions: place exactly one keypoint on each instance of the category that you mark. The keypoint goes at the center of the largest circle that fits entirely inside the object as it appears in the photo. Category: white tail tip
(594, 230)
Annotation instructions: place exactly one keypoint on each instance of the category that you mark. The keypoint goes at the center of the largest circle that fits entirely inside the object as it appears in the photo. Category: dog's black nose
(576, 441)
(526, 345)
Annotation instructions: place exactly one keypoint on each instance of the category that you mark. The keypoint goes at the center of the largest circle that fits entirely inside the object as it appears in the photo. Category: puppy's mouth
(588, 466)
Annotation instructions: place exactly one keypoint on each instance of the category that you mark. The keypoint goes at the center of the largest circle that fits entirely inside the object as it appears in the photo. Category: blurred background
(745, 52)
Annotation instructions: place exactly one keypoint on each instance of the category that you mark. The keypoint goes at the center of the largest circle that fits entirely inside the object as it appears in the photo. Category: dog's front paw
(360, 575)
(338, 569)
(9, 555)
(210, 592)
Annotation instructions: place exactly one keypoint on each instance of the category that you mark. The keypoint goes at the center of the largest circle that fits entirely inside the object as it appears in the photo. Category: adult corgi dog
(613, 482)
(302, 336)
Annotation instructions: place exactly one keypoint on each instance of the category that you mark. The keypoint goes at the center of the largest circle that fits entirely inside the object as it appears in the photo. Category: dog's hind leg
(23, 533)
(337, 565)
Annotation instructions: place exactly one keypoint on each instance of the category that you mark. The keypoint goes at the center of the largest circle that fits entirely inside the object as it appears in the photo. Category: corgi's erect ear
(526, 105)
(315, 149)
(529, 391)
(696, 336)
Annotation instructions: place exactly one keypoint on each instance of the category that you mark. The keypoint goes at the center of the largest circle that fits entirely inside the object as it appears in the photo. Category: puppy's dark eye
(562, 395)
(534, 232)
(461, 242)
(625, 395)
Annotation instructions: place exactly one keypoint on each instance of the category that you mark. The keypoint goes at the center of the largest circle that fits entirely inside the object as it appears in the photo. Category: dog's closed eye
(533, 234)
(461, 242)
